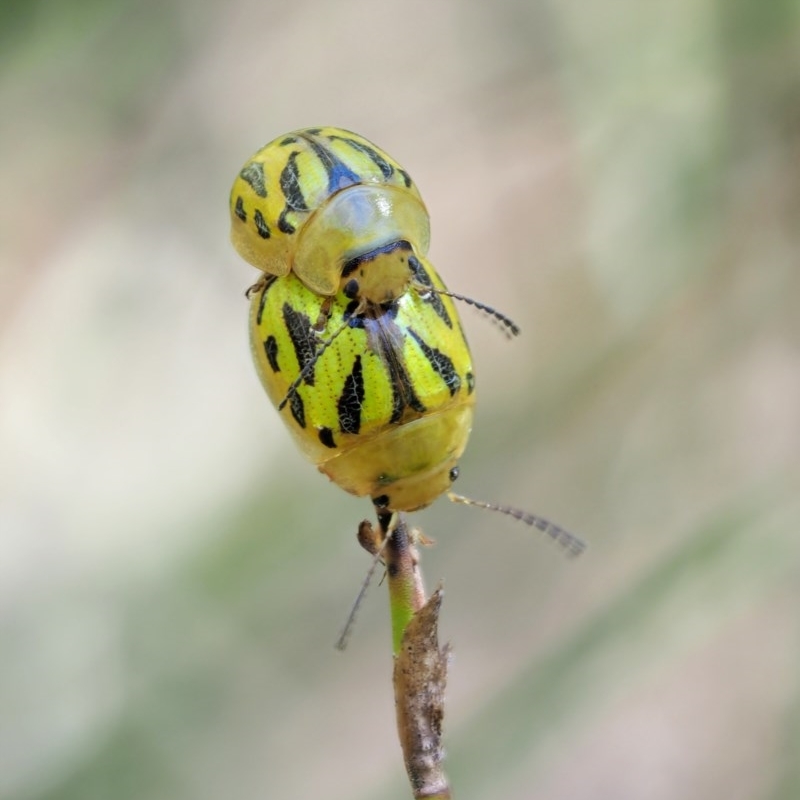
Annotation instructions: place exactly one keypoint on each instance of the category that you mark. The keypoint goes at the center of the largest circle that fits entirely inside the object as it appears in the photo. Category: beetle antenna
(571, 544)
(368, 540)
(506, 324)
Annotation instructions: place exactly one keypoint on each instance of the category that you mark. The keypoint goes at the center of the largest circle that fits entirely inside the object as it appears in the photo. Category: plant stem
(404, 577)
(420, 665)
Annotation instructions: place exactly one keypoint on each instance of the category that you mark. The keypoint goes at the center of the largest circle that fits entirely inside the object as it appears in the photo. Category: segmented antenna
(572, 545)
(309, 366)
(506, 324)
(368, 543)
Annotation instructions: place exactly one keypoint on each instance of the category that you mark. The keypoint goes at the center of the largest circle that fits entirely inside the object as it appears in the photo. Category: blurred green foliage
(623, 180)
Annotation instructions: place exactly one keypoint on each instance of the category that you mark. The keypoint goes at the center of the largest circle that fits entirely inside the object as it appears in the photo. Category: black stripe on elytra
(352, 399)
(433, 299)
(271, 352)
(298, 326)
(290, 184)
(398, 404)
(442, 363)
(470, 378)
(380, 162)
(403, 394)
(284, 226)
(261, 225)
(253, 173)
(340, 176)
(406, 178)
(262, 300)
(386, 343)
(239, 209)
(298, 410)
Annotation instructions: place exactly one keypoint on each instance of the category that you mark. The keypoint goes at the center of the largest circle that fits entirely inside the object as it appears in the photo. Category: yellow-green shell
(313, 200)
(386, 410)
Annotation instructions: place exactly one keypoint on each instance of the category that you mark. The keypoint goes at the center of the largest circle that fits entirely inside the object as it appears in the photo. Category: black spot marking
(434, 299)
(326, 437)
(470, 382)
(351, 400)
(298, 409)
(239, 209)
(261, 224)
(271, 352)
(406, 178)
(253, 173)
(298, 326)
(442, 364)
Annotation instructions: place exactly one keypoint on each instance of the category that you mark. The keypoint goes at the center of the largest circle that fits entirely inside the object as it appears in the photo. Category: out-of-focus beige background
(623, 179)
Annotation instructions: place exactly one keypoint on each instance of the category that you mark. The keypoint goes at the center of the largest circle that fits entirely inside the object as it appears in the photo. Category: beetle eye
(351, 289)
(453, 474)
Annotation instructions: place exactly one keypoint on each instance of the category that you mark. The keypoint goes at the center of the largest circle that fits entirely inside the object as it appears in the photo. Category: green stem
(406, 590)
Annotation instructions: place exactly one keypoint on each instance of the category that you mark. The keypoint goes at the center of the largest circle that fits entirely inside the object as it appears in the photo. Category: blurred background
(623, 180)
